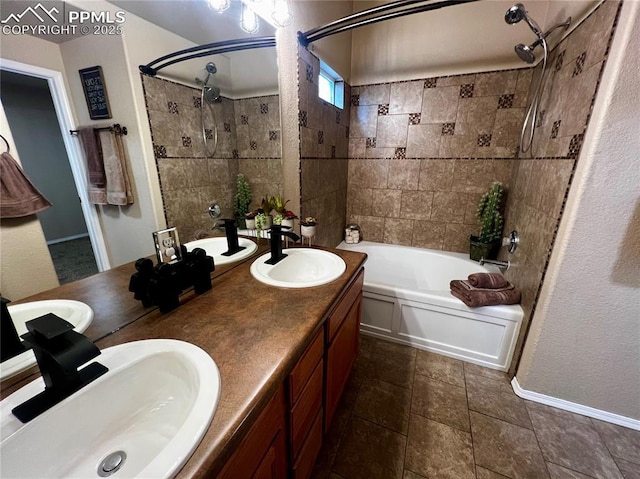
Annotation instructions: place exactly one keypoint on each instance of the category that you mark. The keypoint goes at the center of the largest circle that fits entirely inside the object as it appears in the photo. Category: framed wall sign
(95, 92)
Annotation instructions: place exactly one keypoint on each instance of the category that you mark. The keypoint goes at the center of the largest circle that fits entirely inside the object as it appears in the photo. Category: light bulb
(249, 20)
(219, 5)
(281, 14)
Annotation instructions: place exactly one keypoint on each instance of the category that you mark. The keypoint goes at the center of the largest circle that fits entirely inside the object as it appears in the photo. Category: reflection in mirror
(211, 118)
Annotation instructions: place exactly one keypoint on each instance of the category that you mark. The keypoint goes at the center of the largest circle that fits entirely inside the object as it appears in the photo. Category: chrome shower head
(518, 13)
(525, 52)
(211, 68)
(205, 75)
(211, 93)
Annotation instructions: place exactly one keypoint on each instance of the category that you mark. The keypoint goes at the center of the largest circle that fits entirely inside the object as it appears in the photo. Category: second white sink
(302, 268)
(218, 245)
(75, 312)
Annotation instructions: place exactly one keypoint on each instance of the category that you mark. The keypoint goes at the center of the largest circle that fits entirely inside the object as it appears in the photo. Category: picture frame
(95, 92)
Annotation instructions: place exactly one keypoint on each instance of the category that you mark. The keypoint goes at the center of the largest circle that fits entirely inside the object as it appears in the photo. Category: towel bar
(117, 129)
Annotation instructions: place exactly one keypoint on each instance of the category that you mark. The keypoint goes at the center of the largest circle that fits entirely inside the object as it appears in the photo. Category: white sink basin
(302, 268)
(218, 245)
(75, 312)
(155, 404)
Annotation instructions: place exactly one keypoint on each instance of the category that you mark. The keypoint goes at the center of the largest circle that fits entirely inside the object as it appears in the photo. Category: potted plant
(287, 218)
(308, 227)
(241, 201)
(250, 219)
(487, 243)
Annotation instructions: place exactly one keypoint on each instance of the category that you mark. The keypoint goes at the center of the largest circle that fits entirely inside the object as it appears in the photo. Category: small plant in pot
(308, 227)
(287, 218)
(241, 201)
(250, 219)
(487, 243)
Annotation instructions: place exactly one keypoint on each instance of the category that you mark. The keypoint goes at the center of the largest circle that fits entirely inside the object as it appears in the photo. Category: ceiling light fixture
(219, 5)
(281, 14)
(249, 20)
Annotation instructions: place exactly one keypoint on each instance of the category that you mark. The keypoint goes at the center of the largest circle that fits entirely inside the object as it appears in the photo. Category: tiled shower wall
(190, 179)
(541, 183)
(323, 151)
(421, 153)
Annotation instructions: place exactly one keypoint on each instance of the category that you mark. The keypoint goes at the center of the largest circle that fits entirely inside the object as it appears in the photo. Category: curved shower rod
(206, 50)
(375, 15)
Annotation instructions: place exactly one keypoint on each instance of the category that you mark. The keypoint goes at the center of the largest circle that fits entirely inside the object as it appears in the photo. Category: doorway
(38, 114)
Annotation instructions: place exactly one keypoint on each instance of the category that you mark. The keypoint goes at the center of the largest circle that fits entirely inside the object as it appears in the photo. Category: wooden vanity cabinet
(262, 454)
(342, 334)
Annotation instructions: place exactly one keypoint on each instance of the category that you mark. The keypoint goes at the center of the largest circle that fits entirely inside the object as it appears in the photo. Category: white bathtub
(407, 300)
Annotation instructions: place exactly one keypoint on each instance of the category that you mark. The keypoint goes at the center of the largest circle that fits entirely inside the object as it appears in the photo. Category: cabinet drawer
(305, 367)
(305, 410)
(309, 453)
(340, 312)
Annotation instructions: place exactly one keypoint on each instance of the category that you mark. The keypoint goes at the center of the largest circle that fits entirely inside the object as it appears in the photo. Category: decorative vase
(308, 231)
(251, 223)
(479, 250)
(268, 222)
(287, 223)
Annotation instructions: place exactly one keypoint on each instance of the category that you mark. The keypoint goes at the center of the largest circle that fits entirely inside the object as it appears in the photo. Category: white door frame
(62, 107)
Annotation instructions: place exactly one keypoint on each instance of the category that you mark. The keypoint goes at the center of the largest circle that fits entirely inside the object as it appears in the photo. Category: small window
(330, 86)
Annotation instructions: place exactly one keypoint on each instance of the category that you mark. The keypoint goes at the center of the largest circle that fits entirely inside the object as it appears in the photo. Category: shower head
(518, 13)
(211, 67)
(205, 75)
(211, 94)
(525, 52)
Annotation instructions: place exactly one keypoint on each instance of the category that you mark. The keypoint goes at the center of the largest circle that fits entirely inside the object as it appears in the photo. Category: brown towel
(118, 188)
(18, 196)
(95, 166)
(487, 280)
(475, 297)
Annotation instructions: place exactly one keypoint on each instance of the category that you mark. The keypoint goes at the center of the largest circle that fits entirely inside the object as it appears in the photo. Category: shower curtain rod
(376, 14)
(206, 50)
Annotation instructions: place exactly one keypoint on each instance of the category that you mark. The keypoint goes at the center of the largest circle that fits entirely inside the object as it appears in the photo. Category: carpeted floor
(73, 259)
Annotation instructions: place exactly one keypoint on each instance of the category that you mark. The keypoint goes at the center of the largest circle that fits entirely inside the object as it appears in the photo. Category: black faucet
(10, 345)
(231, 231)
(59, 351)
(276, 243)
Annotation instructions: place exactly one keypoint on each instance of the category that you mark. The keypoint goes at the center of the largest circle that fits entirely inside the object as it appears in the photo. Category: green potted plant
(241, 201)
(308, 227)
(250, 219)
(487, 243)
(288, 217)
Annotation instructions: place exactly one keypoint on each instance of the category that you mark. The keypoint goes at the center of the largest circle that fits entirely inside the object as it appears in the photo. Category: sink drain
(112, 463)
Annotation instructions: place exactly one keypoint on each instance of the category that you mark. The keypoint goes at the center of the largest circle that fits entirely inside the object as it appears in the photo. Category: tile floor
(410, 414)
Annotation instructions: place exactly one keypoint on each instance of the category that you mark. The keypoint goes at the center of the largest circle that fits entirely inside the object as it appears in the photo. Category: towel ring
(6, 143)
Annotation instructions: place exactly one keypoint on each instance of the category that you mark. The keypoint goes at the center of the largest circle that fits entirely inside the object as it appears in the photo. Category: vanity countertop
(254, 332)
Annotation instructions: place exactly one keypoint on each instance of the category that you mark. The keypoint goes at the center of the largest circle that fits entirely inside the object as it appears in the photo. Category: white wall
(584, 342)
(25, 264)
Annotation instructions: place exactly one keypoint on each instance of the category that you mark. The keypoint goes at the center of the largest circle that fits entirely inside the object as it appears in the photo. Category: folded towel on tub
(487, 280)
(475, 297)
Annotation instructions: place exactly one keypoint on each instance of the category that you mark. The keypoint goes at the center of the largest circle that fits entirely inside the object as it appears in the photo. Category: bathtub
(407, 300)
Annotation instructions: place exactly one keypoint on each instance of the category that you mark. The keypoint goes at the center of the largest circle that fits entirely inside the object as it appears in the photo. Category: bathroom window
(330, 86)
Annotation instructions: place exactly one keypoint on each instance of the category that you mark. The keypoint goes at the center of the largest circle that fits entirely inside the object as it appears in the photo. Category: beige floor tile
(559, 472)
(535, 406)
(487, 396)
(441, 402)
(486, 372)
(392, 363)
(482, 473)
(368, 450)
(622, 442)
(628, 469)
(441, 368)
(385, 404)
(438, 451)
(573, 445)
(506, 448)
(497, 384)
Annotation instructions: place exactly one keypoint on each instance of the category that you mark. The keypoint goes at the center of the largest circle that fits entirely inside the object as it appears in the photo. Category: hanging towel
(18, 196)
(487, 280)
(95, 165)
(475, 297)
(118, 187)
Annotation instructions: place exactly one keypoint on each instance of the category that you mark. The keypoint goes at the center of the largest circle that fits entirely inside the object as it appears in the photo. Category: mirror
(211, 118)
(246, 118)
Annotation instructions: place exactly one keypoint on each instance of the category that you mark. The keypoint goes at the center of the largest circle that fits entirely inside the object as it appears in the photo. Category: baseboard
(574, 407)
(67, 238)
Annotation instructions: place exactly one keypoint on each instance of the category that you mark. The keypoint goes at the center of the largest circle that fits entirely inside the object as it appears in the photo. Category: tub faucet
(60, 351)
(276, 243)
(503, 265)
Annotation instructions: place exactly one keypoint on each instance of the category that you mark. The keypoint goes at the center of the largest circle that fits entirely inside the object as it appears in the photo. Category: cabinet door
(341, 356)
(263, 451)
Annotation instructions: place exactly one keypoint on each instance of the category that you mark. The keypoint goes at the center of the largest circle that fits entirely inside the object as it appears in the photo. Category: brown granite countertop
(254, 332)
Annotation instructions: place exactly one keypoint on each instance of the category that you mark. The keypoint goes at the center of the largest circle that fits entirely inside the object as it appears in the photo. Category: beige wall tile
(436, 175)
(357, 147)
(476, 115)
(374, 94)
(495, 83)
(397, 231)
(360, 201)
(439, 105)
(423, 141)
(406, 97)
(372, 227)
(456, 80)
(473, 176)
(456, 237)
(392, 131)
(416, 205)
(428, 234)
(368, 173)
(386, 203)
(364, 120)
(404, 174)
(380, 152)
(448, 207)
